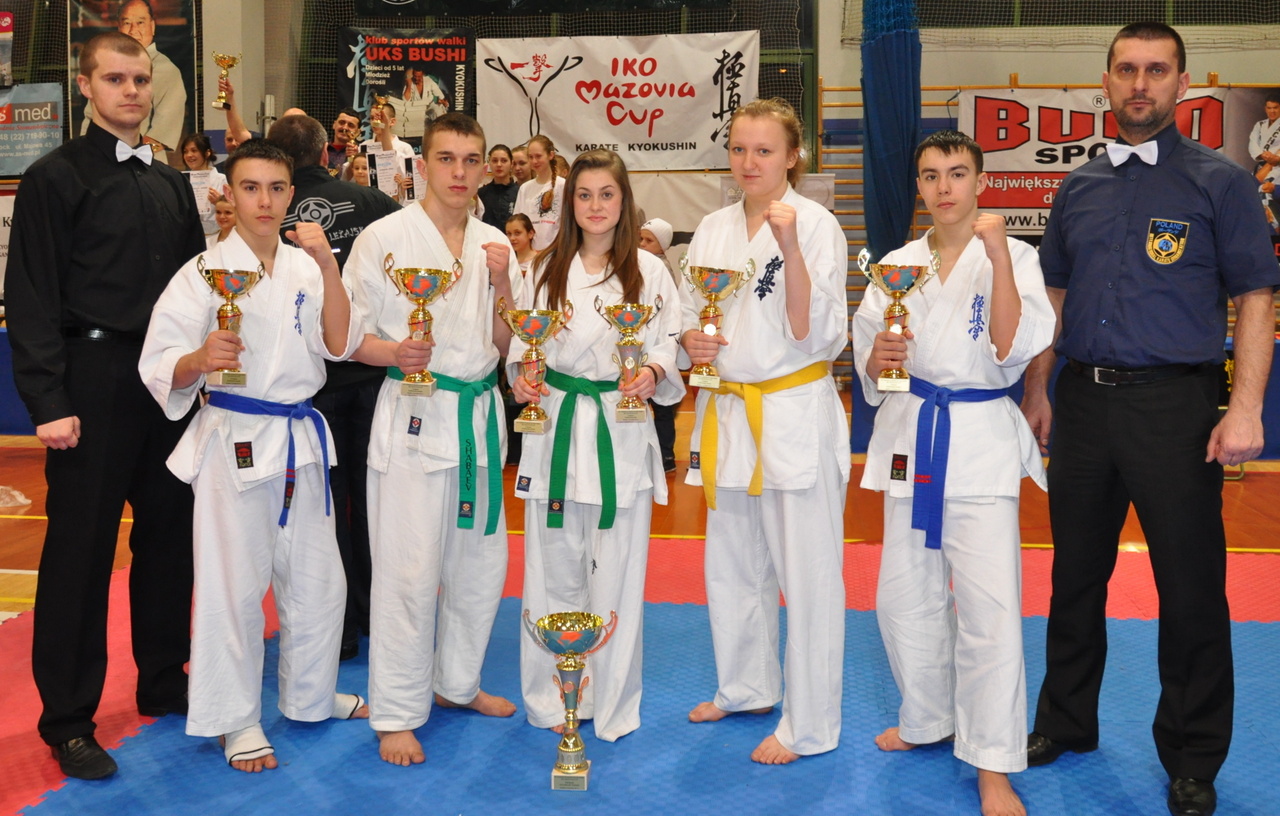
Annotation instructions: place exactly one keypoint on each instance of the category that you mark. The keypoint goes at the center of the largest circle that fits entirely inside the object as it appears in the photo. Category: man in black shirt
(98, 231)
(347, 400)
(499, 195)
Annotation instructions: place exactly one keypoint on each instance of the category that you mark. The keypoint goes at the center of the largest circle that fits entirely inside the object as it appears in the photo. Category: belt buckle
(1097, 371)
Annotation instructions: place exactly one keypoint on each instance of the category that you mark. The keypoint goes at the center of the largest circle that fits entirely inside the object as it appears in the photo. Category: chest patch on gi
(1166, 240)
(523, 483)
(244, 455)
(695, 460)
(415, 425)
(898, 467)
(297, 311)
(766, 283)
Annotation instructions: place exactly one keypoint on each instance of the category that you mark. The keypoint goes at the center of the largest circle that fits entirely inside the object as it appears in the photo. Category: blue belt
(932, 449)
(302, 410)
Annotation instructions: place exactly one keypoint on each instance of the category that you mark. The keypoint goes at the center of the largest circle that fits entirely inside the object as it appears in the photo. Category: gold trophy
(229, 284)
(534, 327)
(629, 318)
(226, 62)
(376, 109)
(423, 287)
(715, 284)
(571, 636)
(897, 282)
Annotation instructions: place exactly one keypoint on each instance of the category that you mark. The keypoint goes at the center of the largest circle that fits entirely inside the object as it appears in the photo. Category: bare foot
(890, 741)
(484, 703)
(998, 796)
(710, 712)
(400, 748)
(771, 752)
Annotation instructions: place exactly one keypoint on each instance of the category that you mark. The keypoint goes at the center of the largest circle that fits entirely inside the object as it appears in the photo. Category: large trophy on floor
(423, 287)
(229, 284)
(571, 636)
(715, 284)
(534, 327)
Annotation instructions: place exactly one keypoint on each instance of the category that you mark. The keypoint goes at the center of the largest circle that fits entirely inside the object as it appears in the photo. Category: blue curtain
(891, 119)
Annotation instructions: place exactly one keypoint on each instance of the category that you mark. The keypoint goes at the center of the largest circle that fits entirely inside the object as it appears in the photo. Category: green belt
(467, 393)
(572, 386)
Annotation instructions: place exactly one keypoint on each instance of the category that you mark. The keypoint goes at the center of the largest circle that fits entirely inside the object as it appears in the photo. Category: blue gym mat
(479, 765)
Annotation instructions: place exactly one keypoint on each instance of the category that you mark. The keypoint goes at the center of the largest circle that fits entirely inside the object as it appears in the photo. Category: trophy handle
(566, 314)
(502, 307)
(533, 633)
(657, 304)
(608, 633)
(747, 274)
(454, 278)
(201, 268)
(599, 304)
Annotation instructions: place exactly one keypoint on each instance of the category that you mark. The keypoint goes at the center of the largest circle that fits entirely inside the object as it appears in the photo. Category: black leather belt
(78, 333)
(1136, 376)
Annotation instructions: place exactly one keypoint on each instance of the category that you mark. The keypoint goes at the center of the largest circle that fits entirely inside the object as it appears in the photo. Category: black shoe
(1192, 797)
(83, 758)
(349, 650)
(163, 708)
(668, 464)
(1041, 750)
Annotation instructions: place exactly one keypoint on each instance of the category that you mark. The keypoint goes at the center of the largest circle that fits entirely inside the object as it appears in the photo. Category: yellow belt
(752, 394)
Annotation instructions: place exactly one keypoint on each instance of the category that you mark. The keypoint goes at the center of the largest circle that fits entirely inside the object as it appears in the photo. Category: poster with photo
(423, 74)
(166, 28)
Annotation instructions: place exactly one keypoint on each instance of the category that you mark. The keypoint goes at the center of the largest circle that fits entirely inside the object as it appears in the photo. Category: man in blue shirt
(1143, 247)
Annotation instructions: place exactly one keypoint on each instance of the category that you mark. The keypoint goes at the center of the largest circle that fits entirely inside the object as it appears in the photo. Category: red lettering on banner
(1051, 129)
(617, 113)
(6, 114)
(1201, 119)
(1000, 124)
(631, 66)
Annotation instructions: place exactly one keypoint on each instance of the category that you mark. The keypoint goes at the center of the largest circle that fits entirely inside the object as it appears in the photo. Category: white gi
(1265, 136)
(792, 535)
(236, 463)
(546, 223)
(418, 643)
(970, 683)
(578, 567)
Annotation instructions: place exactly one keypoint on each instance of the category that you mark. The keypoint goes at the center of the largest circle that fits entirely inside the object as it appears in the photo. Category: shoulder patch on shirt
(898, 467)
(244, 455)
(1166, 240)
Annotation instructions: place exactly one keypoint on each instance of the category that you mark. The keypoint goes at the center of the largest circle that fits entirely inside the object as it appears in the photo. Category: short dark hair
(1274, 96)
(258, 149)
(111, 41)
(390, 107)
(948, 142)
(458, 123)
(1150, 30)
(300, 137)
(201, 142)
(352, 112)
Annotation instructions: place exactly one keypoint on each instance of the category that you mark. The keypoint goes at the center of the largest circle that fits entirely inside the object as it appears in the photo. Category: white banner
(662, 103)
(1032, 138)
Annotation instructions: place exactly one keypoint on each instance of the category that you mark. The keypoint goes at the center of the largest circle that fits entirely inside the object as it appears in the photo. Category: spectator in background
(520, 164)
(499, 195)
(197, 155)
(225, 215)
(560, 165)
(344, 147)
(1264, 139)
(655, 238)
(542, 197)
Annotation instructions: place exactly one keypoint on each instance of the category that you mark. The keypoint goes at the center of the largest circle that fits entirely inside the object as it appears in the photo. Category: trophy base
(893, 384)
(532, 426)
(216, 105)
(704, 380)
(576, 781)
(418, 389)
(227, 379)
(640, 414)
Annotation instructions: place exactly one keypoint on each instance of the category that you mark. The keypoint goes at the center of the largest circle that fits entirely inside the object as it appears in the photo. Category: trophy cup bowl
(629, 319)
(376, 110)
(570, 636)
(897, 282)
(534, 327)
(229, 284)
(226, 62)
(715, 284)
(423, 287)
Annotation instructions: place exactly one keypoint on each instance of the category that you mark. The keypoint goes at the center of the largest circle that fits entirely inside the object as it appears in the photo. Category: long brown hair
(624, 256)
(548, 195)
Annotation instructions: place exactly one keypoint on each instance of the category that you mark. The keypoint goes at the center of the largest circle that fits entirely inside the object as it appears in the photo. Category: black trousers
(1143, 444)
(124, 441)
(664, 422)
(349, 412)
